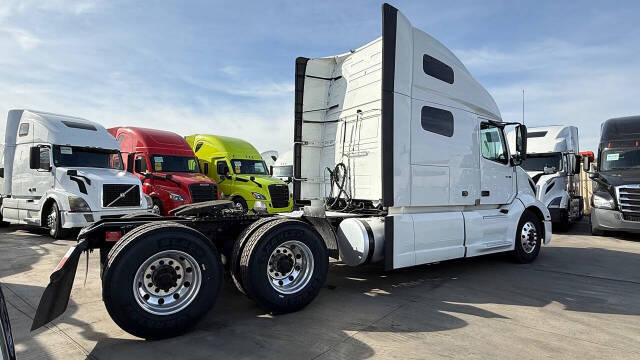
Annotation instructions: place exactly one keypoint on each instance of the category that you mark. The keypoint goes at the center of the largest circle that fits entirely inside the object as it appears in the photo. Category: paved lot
(580, 299)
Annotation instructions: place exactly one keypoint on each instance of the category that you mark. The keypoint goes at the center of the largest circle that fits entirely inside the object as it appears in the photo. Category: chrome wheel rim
(167, 282)
(529, 237)
(290, 267)
(156, 209)
(239, 206)
(52, 222)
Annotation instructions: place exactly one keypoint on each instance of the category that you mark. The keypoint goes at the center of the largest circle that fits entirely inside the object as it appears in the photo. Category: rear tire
(238, 248)
(284, 265)
(529, 237)
(157, 261)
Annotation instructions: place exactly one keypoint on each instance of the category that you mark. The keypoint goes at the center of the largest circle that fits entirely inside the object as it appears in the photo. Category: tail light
(112, 236)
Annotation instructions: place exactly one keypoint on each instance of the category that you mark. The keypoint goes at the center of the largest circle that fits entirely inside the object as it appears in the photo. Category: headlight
(149, 201)
(259, 206)
(78, 204)
(176, 197)
(258, 196)
(603, 200)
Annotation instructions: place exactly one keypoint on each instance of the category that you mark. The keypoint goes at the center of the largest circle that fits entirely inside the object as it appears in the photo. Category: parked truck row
(400, 157)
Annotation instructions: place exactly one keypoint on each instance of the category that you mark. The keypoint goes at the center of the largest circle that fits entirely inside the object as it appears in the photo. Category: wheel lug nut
(150, 284)
(170, 262)
(298, 256)
(148, 276)
(161, 262)
(280, 282)
(153, 267)
(187, 284)
(291, 278)
(298, 267)
(160, 301)
(146, 296)
(189, 269)
(179, 276)
(177, 268)
(176, 296)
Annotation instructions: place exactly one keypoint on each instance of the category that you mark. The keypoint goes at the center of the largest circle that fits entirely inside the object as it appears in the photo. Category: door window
(140, 165)
(492, 143)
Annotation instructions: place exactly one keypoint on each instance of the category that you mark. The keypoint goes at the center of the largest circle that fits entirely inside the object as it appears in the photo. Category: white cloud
(565, 83)
(23, 38)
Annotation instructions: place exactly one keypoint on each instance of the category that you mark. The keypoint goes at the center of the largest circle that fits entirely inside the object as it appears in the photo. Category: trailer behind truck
(63, 172)
(400, 157)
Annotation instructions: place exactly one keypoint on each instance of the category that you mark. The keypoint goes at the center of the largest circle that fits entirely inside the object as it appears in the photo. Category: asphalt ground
(579, 299)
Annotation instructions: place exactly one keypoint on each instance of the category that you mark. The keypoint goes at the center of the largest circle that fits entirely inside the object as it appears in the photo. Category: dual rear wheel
(161, 278)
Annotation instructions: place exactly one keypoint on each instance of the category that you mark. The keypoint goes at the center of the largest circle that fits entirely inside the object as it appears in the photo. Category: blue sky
(227, 67)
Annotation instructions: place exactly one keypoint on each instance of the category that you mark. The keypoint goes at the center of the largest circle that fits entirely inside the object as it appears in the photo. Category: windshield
(283, 171)
(620, 159)
(538, 162)
(73, 156)
(170, 163)
(255, 167)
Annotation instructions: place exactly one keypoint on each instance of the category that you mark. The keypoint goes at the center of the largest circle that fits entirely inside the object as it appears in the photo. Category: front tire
(157, 207)
(529, 237)
(161, 279)
(284, 265)
(54, 222)
(240, 204)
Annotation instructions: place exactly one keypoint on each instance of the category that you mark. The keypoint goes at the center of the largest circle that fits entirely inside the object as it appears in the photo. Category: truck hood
(186, 178)
(620, 177)
(89, 183)
(264, 180)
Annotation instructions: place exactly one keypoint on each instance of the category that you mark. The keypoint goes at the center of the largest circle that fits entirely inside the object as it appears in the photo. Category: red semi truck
(166, 165)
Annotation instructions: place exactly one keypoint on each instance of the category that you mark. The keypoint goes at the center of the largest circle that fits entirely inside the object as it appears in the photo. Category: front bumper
(82, 219)
(612, 220)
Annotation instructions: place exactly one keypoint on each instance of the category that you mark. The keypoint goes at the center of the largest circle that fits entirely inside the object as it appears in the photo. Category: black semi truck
(616, 191)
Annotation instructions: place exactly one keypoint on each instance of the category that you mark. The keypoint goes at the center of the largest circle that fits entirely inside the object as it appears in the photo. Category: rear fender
(322, 225)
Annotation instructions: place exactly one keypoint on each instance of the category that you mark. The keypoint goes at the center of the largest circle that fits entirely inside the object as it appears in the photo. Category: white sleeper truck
(63, 172)
(554, 163)
(399, 157)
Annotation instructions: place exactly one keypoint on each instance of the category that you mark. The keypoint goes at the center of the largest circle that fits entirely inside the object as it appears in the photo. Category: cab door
(497, 175)
(225, 182)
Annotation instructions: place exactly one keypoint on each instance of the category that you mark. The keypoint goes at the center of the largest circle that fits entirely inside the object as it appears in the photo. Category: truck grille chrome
(279, 195)
(203, 192)
(120, 195)
(629, 201)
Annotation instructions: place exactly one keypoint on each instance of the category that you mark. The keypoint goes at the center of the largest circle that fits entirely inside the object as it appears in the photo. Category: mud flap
(55, 298)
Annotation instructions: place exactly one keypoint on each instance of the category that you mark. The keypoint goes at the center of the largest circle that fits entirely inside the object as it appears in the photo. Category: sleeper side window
(23, 130)
(140, 165)
(437, 121)
(492, 143)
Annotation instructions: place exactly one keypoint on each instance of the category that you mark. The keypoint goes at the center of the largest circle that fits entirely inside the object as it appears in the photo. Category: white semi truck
(554, 163)
(283, 168)
(63, 172)
(400, 157)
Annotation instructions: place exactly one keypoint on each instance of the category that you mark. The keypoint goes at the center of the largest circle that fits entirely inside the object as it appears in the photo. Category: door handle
(32, 189)
(485, 193)
(508, 176)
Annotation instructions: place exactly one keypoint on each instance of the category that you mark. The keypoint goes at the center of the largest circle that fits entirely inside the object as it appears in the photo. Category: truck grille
(629, 201)
(203, 192)
(119, 195)
(279, 195)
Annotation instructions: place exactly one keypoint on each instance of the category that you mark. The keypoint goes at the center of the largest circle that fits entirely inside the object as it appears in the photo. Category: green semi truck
(241, 173)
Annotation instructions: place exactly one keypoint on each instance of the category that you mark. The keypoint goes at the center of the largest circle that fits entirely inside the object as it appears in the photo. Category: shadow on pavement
(416, 300)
